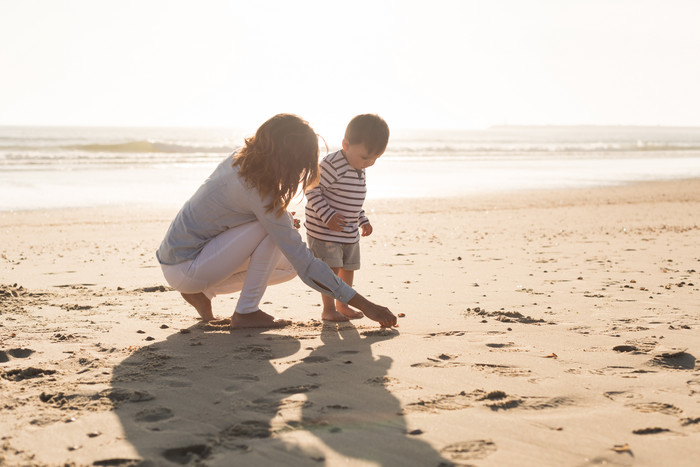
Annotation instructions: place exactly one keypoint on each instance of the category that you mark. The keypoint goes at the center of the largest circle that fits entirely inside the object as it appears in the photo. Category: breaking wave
(147, 147)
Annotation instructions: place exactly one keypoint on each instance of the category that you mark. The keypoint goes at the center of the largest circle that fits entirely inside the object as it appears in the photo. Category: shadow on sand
(208, 397)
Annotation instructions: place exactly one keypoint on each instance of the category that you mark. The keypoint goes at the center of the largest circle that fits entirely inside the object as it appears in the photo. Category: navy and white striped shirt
(341, 190)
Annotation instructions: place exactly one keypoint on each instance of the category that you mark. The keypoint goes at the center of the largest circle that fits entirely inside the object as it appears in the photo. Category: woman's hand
(378, 313)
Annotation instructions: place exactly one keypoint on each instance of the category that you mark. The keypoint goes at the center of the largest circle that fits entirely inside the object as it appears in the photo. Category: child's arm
(315, 197)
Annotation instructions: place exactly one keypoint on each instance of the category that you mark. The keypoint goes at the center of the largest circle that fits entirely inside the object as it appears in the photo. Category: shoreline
(542, 328)
(496, 197)
(390, 179)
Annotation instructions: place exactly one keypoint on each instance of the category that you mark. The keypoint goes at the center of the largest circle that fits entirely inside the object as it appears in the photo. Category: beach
(537, 328)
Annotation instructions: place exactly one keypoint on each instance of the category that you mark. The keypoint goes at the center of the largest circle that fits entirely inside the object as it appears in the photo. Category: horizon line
(413, 128)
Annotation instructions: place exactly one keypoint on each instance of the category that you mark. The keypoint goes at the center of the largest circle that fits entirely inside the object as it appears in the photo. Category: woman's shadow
(236, 398)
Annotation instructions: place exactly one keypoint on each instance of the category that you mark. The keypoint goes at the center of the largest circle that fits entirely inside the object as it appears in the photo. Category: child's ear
(346, 144)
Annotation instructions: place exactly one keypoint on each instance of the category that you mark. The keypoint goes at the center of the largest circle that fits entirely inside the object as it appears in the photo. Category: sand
(541, 329)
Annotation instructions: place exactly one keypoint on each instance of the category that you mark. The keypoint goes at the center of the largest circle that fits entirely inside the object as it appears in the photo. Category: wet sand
(539, 328)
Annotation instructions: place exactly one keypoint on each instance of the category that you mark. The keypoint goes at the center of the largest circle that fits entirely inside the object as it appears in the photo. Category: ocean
(64, 167)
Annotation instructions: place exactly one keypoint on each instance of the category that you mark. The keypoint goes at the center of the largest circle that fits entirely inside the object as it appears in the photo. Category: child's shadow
(226, 399)
(350, 407)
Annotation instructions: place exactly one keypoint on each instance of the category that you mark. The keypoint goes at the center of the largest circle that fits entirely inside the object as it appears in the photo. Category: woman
(231, 234)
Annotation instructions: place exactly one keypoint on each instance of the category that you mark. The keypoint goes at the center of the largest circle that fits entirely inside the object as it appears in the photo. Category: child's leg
(329, 312)
(347, 276)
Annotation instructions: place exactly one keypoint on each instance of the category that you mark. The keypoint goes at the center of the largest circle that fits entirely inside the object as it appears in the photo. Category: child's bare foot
(331, 314)
(201, 303)
(347, 311)
(257, 319)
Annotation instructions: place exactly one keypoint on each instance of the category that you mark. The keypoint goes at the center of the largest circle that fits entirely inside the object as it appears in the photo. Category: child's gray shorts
(336, 255)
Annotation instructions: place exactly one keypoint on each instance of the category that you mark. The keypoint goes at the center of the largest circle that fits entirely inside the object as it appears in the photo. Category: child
(334, 213)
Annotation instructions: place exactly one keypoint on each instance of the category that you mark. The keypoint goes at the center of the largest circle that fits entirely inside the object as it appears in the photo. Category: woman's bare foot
(331, 314)
(257, 319)
(347, 311)
(201, 303)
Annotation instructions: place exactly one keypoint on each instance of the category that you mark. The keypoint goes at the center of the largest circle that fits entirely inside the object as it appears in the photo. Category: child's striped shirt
(341, 189)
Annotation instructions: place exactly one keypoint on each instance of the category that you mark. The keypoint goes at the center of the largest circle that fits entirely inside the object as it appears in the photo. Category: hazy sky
(429, 64)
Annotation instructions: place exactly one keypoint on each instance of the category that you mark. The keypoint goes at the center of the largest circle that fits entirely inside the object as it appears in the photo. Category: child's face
(357, 155)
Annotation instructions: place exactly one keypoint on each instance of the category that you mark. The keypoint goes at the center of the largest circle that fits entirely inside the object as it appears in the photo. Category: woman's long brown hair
(282, 155)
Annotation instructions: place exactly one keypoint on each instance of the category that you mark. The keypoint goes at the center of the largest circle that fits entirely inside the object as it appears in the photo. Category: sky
(419, 64)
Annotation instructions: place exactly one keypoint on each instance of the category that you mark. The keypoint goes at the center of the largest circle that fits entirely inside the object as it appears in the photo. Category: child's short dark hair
(370, 130)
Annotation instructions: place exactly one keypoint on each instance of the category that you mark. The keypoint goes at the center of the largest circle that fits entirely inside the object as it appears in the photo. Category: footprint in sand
(440, 402)
(442, 360)
(275, 405)
(315, 359)
(651, 431)
(119, 395)
(187, 454)
(676, 359)
(637, 346)
(502, 370)
(62, 337)
(621, 395)
(506, 316)
(26, 373)
(247, 429)
(496, 345)
(155, 414)
(382, 381)
(470, 450)
(625, 348)
(296, 389)
(660, 407)
(691, 422)
(506, 402)
(20, 353)
(543, 403)
(14, 353)
(445, 333)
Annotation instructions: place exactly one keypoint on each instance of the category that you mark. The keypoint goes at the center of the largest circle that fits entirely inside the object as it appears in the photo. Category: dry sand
(551, 328)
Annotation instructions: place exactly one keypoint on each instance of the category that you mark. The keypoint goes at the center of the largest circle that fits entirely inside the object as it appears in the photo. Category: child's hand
(367, 230)
(337, 222)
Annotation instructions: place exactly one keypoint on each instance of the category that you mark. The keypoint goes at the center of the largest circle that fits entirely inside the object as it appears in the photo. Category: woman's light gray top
(225, 201)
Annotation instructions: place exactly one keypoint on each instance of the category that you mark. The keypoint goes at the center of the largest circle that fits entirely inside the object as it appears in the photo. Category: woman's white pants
(241, 259)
